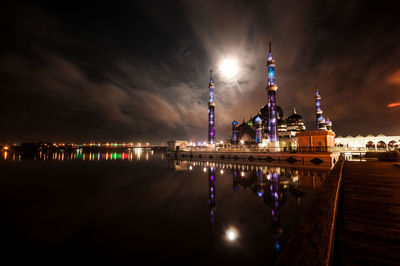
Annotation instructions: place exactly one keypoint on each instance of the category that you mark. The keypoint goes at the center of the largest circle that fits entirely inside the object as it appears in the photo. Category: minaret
(258, 125)
(211, 112)
(235, 132)
(320, 120)
(271, 89)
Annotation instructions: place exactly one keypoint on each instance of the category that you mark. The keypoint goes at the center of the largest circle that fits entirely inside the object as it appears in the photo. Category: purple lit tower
(211, 112)
(271, 89)
(258, 122)
(320, 120)
(235, 132)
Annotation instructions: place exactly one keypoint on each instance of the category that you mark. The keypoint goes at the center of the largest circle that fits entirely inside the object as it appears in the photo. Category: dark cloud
(126, 72)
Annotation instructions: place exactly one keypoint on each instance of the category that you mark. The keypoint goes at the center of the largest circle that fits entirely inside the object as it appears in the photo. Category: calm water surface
(140, 208)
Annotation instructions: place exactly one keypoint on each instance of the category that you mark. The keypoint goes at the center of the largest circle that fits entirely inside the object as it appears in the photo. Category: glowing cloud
(394, 78)
(393, 105)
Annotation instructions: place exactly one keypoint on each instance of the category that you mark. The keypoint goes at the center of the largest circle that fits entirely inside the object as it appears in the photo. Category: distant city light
(222, 171)
(242, 173)
(190, 167)
(241, 141)
(204, 169)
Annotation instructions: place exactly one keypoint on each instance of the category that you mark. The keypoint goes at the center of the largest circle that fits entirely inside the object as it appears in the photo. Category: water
(139, 207)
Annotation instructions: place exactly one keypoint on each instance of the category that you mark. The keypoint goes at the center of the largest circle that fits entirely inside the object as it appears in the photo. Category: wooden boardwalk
(370, 224)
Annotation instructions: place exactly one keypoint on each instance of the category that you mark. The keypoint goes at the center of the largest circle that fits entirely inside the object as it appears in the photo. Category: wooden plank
(370, 233)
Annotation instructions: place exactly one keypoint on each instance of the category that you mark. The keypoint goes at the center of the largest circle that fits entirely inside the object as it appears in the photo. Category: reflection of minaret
(320, 120)
(211, 197)
(271, 89)
(260, 183)
(211, 112)
(276, 228)
(235, 174)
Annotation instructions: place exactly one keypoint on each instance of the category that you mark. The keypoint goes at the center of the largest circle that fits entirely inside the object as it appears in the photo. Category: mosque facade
(268, 128)
(256, 129)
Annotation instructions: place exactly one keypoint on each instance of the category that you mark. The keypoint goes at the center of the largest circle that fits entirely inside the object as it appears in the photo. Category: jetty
(354, 219)
(370, 229)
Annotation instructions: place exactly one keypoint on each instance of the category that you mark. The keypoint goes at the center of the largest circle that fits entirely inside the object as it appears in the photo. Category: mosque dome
(282, 126)
(264, 111)
(328, 122)
(258, 120)
(234, 123)
(282, 122)
(294, 118)
(295, 122)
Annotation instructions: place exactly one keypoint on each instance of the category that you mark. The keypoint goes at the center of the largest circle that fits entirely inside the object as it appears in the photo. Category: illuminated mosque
(269, 128)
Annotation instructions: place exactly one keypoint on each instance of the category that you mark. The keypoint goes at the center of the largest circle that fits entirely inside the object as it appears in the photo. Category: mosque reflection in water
(269, 184)
(211, 198)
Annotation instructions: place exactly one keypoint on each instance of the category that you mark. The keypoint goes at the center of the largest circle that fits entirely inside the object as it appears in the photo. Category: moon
(231, 234)
(229, 67)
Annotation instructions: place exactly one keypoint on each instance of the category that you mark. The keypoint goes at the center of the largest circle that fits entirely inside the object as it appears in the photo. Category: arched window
(391, 144)
(381, 145)
(370, 144)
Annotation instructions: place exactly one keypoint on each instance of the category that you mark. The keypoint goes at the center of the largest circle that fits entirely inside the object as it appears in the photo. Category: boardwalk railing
(312, 243)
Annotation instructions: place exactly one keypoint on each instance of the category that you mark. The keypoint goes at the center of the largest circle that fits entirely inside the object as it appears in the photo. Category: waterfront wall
(313, 241)
(287, 159)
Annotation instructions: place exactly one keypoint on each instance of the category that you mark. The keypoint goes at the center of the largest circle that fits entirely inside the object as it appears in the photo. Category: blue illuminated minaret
(258, 126)
(320, 120)
(271, 89)
(235, 132)
(211, 112)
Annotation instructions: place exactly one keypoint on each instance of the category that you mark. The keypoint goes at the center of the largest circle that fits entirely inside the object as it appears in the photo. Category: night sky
(138, 71)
